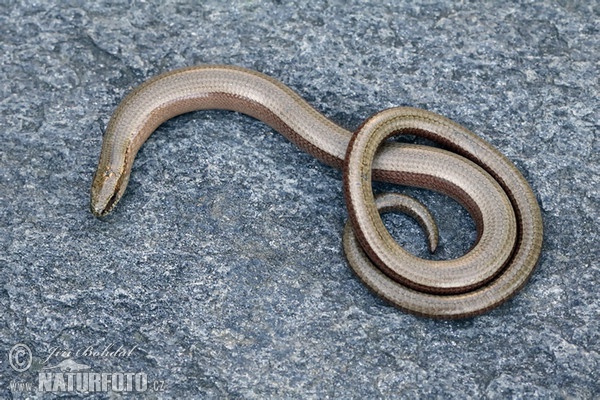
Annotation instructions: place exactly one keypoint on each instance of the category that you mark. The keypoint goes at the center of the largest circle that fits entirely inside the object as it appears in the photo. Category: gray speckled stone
(222, 266)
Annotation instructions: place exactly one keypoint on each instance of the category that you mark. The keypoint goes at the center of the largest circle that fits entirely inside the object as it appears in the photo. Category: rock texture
(221, 270)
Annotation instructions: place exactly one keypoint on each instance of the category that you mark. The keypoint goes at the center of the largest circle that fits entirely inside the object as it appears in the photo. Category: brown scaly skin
(501, 202)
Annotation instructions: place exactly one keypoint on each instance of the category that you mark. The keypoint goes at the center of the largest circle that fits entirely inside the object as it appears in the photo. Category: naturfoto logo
(63, 373)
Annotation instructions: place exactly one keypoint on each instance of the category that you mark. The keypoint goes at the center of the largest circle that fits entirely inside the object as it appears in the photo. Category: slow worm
(487, 184)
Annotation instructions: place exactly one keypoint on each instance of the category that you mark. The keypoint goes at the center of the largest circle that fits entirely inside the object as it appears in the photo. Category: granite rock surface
(221, 273)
